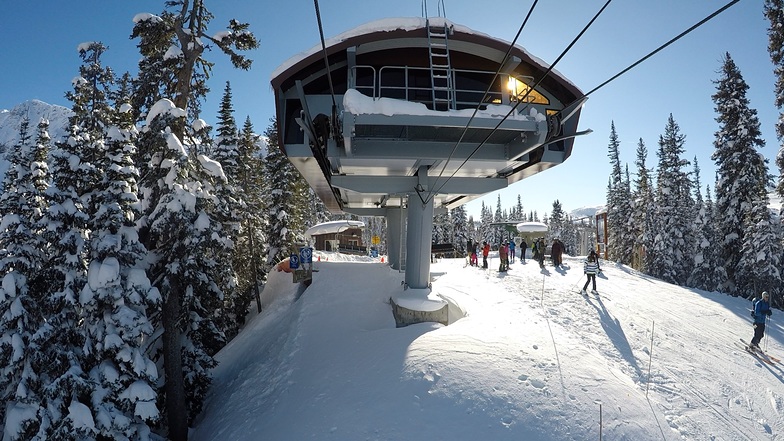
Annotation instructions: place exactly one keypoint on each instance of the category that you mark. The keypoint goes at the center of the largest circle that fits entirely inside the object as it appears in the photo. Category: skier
(761, 311)
(485, 253)
(590, 269)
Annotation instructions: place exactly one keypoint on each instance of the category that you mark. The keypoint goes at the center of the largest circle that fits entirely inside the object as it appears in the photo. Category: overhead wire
(326, 58)
(487, 92)
(673, 40)
(613, 78)
(530, 89)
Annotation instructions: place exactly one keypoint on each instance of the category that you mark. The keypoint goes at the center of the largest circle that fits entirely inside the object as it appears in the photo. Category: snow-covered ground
(531, 360)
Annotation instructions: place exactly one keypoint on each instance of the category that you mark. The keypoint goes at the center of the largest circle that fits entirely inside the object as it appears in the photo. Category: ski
(761, 353)
(594, 294)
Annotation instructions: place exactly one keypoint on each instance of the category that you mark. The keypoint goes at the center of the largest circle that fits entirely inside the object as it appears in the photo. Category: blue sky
(40, 59)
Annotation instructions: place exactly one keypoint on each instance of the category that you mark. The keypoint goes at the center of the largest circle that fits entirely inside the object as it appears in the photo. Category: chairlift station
(401, 117)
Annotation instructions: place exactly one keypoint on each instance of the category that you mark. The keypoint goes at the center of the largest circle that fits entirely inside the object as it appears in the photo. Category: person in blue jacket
(590, 269)
(761, 313)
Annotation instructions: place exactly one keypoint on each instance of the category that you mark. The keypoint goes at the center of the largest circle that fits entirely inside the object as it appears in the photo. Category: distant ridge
(11, 120)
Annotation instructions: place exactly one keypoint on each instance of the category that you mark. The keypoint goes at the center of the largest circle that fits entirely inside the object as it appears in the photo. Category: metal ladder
(441, 80)
(440, 67)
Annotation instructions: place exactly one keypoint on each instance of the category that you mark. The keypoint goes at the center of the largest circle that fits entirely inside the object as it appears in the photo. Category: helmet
(765, 295)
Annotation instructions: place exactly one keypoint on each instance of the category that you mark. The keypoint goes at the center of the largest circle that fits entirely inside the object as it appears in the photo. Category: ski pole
(767, 320)
(577, 282)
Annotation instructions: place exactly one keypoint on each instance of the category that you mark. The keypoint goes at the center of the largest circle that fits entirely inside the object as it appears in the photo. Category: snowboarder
(485, 253)
(590, 269)
(761, 311)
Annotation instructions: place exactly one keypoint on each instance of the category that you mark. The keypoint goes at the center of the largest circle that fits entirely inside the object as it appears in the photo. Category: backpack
(754, 306)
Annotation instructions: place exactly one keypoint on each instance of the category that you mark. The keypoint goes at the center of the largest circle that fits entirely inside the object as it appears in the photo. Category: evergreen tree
(247, 252)
(485, 229)
(760, 262)
(519, 213)
(116, 300)
(557, 221)
(174, 71)
(672, 240)
(741, 169)
(22, 293)
(626, 210)
(226, 142)
(460, 234)
(617, 198)
(774, 12)
(281, 177)
(64, 227)
(642, 203)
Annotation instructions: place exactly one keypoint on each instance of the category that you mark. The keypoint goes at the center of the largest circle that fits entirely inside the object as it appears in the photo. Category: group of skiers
(507, 251)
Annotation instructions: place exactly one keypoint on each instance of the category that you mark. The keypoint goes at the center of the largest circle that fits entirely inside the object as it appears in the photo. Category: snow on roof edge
(406, 24)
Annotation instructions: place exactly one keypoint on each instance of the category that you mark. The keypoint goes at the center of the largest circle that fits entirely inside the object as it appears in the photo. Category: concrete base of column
(418, 306)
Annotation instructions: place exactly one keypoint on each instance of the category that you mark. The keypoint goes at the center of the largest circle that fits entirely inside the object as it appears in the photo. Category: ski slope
(530, 359)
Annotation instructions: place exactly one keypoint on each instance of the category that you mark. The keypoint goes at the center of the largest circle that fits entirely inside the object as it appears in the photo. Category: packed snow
(525, 357)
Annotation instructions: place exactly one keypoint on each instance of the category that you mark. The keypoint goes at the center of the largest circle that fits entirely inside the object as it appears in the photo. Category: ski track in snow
(625, 343)
(531, 359)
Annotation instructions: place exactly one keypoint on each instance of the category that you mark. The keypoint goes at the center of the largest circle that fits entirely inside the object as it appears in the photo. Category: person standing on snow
(503, 254)
(523, 248)
(590, 269)
(511, 251)
(555, 252)
(761, 311)
(485, 253)
(541, 250)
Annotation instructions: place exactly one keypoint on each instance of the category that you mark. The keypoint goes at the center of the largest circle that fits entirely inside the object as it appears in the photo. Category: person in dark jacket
(761, 313)
(523, 248)
(541, 250)
(555, 252)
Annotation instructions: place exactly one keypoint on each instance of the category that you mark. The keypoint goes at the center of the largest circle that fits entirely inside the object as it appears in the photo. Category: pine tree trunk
(176, 410)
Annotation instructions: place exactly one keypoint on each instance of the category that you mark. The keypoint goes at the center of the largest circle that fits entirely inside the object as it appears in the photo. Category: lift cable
(326, 64)
(487, 92)
(635, 64)
(673, 40)
(530, 89)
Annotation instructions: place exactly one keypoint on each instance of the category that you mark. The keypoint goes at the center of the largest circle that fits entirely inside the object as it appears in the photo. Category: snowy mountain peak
(10, 120)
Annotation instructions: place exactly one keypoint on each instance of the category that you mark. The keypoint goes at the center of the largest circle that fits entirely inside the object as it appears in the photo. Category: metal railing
(413, 84)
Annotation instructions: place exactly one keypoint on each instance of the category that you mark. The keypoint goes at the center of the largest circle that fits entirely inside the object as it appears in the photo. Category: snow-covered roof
(333, 227)
(532, 227)
(399, 24)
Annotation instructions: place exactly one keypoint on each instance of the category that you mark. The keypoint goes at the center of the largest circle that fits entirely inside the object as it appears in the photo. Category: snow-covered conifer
(173, 68)
(642, 197)
(22, 291)
(281, 177)
(760, 263)
(672, 243)
(247, 251)
(741, 170)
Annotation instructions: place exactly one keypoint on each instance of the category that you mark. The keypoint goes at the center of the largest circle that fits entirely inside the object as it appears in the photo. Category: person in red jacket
(485, 253)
